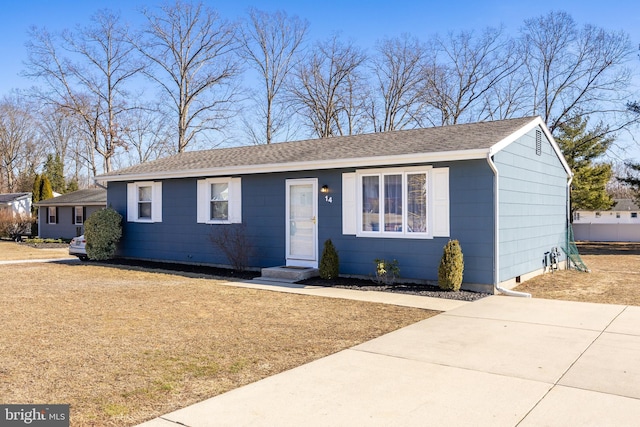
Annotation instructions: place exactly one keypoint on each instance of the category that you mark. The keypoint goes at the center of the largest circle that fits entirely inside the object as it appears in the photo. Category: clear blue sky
(361, 21)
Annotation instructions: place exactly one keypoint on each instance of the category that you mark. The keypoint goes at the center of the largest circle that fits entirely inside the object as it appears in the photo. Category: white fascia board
(404, 159)
(537, 121)
(63, 204)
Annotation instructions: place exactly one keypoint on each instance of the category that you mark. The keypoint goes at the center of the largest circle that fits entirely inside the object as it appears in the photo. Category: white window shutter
(132, 202)
(203, 200)
(440, 200)
(349, 210)
(235, 200)
(156, 202)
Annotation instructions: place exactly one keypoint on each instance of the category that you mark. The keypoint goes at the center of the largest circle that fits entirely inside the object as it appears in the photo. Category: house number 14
(328, 199)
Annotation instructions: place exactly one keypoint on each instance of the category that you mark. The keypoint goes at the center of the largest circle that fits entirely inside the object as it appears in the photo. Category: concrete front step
(288, 274)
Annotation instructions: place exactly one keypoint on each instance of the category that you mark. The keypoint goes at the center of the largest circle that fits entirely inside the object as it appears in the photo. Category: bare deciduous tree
(575, 71)
(462, 70)
(20, 153)
(324, 88)
(149, 135)
(195, 52)
(270, 44)
(90, 81)
(399, 76)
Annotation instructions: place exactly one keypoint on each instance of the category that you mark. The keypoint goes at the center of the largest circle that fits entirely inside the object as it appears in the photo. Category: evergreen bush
(451, 267)
(329, 262)
(102, 230)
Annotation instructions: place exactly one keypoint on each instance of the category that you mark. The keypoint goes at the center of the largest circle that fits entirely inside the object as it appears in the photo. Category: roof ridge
(453, 138)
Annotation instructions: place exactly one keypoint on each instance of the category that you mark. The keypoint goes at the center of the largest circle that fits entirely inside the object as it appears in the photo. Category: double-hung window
(219, 201)
(219, 208)
(410, 202)
(144, 202)
(52, 215)
(78, 215)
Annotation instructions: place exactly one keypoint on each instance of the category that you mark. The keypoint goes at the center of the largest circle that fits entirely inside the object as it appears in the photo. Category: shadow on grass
(187, 270)
(608, 248)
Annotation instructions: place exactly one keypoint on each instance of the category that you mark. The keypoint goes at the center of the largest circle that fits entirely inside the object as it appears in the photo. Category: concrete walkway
(500, 361)
(405, 300)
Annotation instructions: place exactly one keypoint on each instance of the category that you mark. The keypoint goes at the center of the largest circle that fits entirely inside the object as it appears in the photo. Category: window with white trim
(219, 201)
(52, 215)
(78, 215)
(144, 202)
(405, 203)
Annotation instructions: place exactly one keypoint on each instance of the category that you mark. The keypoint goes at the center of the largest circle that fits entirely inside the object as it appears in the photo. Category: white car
(77, 247)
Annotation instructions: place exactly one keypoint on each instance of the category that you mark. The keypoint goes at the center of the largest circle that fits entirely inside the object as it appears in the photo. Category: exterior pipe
(496, 245)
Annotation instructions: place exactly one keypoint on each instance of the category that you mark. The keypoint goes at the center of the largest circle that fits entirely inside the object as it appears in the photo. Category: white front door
(302, 224)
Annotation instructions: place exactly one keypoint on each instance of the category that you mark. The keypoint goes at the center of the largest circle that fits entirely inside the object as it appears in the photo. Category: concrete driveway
(500, 361)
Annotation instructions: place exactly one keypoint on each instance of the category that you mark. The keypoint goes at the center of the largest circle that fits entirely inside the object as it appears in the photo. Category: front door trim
(297, 225)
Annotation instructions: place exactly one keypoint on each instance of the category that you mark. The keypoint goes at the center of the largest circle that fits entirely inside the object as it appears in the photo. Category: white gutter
(496, 245)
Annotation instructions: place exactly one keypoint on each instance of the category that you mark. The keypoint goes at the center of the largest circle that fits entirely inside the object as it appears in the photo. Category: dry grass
(123, 346)
(614, 277)
(10, 251)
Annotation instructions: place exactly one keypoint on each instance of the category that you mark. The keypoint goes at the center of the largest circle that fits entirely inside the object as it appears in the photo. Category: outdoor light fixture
(324, 189)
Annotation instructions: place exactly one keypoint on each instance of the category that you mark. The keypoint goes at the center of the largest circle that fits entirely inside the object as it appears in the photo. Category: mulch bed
(342, 282)
(401, 288)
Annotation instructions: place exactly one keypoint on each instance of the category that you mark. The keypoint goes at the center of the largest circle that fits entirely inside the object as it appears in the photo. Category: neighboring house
(16, 203)
(500, 188)
(618, 224)
(63, 217)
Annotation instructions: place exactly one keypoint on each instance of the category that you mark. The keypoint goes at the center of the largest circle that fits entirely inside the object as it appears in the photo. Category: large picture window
(411, 202)
(399, 206)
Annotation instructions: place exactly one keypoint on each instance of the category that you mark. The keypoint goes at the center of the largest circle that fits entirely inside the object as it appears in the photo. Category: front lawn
(123, 346)
(614, 276)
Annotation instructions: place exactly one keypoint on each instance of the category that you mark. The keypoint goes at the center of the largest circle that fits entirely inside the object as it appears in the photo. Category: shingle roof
(10, 197)
(91, 196)
(453, 138)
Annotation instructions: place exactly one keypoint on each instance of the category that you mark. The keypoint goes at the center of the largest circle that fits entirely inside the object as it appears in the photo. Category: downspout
(496, 228)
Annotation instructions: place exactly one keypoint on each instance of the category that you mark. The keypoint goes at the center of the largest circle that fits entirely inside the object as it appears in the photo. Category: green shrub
(329, 262)
(451, 267)
(102, 230)
(386, 271)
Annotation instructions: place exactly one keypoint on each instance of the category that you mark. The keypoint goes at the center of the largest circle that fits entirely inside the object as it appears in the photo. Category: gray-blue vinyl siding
(532, 205)
(65, 228)
(179, 238)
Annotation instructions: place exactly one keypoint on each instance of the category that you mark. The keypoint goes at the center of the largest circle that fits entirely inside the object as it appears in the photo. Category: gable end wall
(533, 203)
